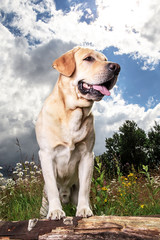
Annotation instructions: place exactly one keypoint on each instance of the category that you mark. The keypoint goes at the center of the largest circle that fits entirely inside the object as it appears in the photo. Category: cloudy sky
(35, 32)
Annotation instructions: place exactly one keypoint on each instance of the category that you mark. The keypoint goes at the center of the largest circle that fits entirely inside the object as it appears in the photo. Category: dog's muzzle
(97, 91)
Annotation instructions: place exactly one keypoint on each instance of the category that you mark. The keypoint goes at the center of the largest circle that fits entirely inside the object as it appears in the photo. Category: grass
(21, 195)
(135, 194)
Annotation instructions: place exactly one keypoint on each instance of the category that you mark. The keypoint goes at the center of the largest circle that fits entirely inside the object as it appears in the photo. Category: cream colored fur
(65, 133)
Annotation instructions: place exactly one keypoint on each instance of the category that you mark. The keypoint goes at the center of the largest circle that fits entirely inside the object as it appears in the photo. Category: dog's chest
(69, 153)
(66, 164)
(77, 127)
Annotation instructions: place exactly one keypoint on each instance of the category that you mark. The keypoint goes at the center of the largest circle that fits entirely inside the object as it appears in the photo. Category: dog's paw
(84, 212)
(56, 214)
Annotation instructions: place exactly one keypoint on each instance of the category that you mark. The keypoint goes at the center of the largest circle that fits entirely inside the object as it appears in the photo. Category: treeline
(130, 148)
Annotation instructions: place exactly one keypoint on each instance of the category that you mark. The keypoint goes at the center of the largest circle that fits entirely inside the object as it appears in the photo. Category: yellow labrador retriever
(65, 129)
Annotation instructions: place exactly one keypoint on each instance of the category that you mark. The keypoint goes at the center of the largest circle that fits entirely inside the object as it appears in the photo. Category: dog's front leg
(55, 209)
(85, 177)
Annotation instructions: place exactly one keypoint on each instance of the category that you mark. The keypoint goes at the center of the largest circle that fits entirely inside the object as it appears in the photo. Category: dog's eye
(89, 59)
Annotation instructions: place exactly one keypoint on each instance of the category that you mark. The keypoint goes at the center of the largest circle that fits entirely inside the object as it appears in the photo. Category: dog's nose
(114, 67)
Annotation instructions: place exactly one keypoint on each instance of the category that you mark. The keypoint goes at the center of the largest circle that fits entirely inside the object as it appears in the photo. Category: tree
(132, 144)
(112, 146)
(154, 146)
(128, 146)
(110, 158)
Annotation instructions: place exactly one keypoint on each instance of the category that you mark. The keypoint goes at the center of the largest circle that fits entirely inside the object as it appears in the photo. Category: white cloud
(131, 26)
(150, 102)
(27, 78)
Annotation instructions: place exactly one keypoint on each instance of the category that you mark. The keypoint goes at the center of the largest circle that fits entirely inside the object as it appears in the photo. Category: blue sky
(35, 32)
(138, 86)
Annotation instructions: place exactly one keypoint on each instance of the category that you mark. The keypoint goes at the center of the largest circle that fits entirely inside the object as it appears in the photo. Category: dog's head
(89, 71)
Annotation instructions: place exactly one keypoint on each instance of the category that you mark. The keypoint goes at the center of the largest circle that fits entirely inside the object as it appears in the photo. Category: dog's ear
(66, 63)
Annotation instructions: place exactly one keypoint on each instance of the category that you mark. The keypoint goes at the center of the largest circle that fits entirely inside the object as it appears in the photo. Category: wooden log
(93, 228)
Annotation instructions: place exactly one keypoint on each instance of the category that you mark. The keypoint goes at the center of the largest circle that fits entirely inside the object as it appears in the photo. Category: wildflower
(126, 179)
(142, 206)
(104, 188)
(1, 167)
(32, 173)
(1, 175)
(26, 162)
(32, 163)
(113, 181)
(35, 167)
(18, 168)
(25, 180)
(15, 172)
(33, 177)
(19, 180)
(34, 180)
(105, 200)
(129, 184)
(122, 177)
(20, 174)
(19, 164)
(10, 182)
(131, 175)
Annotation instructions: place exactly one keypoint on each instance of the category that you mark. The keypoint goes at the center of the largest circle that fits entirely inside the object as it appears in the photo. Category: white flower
(20, 174)
(19, 164)
(19, 180)
(18, 168)
(1, 167)
(15, 172)
(26, 162)
(32, 163)
(26, 179)
(35, 167)
(1, 175)
(3, 187)
(34, 180)
(10, 182)
(33, 177)
(32, 173)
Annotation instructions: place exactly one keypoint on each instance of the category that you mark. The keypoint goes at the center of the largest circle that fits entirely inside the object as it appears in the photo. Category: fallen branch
(97, 227)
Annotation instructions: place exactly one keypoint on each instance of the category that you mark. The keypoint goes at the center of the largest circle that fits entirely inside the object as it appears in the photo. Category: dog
(65, 129)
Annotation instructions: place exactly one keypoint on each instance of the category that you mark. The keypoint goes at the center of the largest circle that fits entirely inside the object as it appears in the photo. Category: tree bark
(93, 228)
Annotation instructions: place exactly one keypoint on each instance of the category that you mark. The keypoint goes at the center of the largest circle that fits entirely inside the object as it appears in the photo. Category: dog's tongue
(102, 89)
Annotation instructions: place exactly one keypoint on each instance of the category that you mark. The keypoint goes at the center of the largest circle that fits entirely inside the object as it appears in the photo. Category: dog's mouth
(97, 90)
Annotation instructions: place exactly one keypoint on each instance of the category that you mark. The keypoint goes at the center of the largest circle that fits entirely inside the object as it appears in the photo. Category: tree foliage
(154, 145)
(132, 144)
(132, 147)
